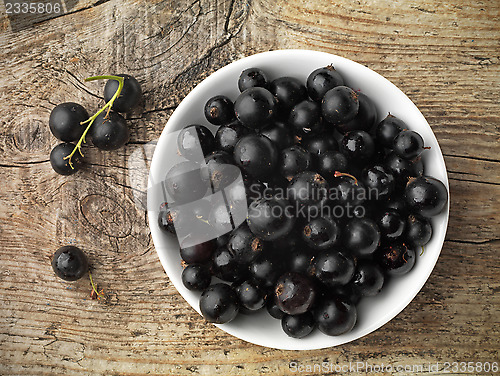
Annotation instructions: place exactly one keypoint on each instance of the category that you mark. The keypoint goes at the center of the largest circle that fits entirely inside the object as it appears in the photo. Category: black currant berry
(196, 277)
(294, 159)
(252, 77)
(379, 181)
(368, 279)
(266, 269)
(184, 182)
(299, 260)
(257, 156)
(318, 144)
(109, 131)
(65, 121)
(391, 224)
(335, 316)
(129, 96)
(402, 169)
(250, 296)
(227, 266)
(294, 293)
(361, 236)
(322, 80)
(307, 189)
(330, 162)
(408, 144)
(219, 303)
(396, 259)
(168, 218)
(270, 218)
(61, 165)
(196, 252)
(70, 263)
(305, 118)
(426, 196)
(340, 105)
(357, 146)
(194, 142)
(274, 310)
(219, 171)
(219, 110)
(298, 326)
(418, 230)
(245, 245)
(227, 136)
(321, 233)
(333, 268)
(255, 107)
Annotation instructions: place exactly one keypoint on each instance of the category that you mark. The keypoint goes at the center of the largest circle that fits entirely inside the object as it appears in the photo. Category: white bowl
(261, 328)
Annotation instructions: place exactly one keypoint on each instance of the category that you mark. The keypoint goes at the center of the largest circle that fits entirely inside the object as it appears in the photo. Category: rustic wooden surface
(445, 55)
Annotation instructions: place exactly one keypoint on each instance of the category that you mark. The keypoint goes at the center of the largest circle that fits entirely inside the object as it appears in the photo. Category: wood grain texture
(445, 55)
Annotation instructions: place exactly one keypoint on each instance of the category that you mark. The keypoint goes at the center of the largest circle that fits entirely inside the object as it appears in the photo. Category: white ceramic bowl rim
(374, 312)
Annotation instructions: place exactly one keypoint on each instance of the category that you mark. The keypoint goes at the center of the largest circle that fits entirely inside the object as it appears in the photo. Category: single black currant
(322, 80)
(364, 120)
(250, 296)
(255, 107)
(195, 141)
(368, 279)
(333, 268)
(305, 118)
(193, 251)
(308, 188)
(391, 224)
(361, 236)
(270, 218)
(339, 105)
(184, 182)
(408, 144)
(298, 326)
(288, 91)
(70, 263)
(396, 258)
(357, 146)
(335, 316)
(65, 121)
(257, 155)
(219, 110)
(294, 293)
(59, 161)
(279, 133)
(245, 245)
(321, 233)
(387, 130)
(109, 131)
(227, 266)
(129, 96)
(330, 162)
(294, 159)
(252, 77)
(426, 196)
(379, 181)
(196, 277)
(418, 230)
(227, 136)
(219, 303)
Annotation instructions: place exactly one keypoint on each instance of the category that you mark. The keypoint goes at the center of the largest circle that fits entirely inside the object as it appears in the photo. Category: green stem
(94, 287)
(90, 120)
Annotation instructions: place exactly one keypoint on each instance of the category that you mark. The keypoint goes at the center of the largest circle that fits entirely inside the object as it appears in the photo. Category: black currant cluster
(336, 202)
(70, 122)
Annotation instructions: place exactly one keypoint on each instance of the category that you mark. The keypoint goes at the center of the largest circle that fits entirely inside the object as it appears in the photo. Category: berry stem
(99, 295)
(91, 119)
(338, 174)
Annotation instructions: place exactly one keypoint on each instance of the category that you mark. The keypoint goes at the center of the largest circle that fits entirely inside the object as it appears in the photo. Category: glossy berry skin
(245, 245)
(195, 141)
(402, 169)
(167, 218)
(299, 260)
(357, 146)
(333, 268)
(293, 160)
(294, 293)
(70, 263)
(348, 292)
(129, 96)
(364, 120)
(344, 191)
(257, 156)
(361, 236)
(387, 130)
(279, 133)
(219, 303)
(368, 279)
(227, 136)
(321, 233)
(305, 118)
(65, 119)
(219, 170)
(379, 180)
(339, 105)
(391, 224)
(219, 110)
(265, 270)
(109, 133)
(335, 316)
(227, 266)
(396, 258)
(322, 80)
(307, 189)
(61, 165)
(318, 144)
(408, 144)
(298, 326)
(269, 218)
(255, 107)
(330, 162)
(250, 296)
(200, 252)
(184, 183)
(252, 77)
(418, 230)
(426, 196)
(288, 91)
(196, 277)
(273, 309)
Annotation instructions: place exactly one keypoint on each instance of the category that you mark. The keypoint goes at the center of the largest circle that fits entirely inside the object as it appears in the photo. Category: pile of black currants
(70, 122)
(336, 202)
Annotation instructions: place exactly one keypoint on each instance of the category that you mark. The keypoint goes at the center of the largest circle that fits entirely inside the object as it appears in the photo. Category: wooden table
(444, 55)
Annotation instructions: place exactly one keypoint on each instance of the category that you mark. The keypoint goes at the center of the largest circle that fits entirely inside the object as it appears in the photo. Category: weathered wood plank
(443, 55)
